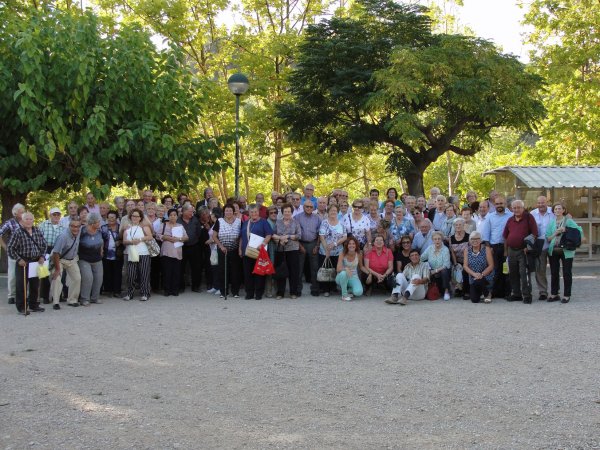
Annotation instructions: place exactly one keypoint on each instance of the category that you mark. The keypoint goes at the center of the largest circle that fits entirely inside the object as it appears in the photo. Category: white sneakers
(211, 291)
(446, 297)
(346, 298)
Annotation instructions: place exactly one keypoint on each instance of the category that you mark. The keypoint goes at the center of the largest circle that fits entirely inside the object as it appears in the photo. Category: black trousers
(26, 288)
(113, 274)
(233, 265)
(45, 282)
(155, 273)
(567, 270)
(478, 288)
(206, 268)
(171, 269)
(254, 284)
(191, 257)
(501, 287)
(292, 259)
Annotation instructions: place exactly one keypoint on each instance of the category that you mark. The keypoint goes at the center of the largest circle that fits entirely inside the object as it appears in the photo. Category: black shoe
(553, 298)
(117, 295)
(314, 294)
(566, 300)
(248, 297)
(37, 309)
(74, 305)
(23, 313)
(514, 298)
(56, 307)
(11, 301)
(196, 290)
(543, 297)
(466, 297)
(527, 301)
(258, 297)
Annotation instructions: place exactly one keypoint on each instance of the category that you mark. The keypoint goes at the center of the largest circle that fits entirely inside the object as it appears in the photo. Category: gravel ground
(199, 372)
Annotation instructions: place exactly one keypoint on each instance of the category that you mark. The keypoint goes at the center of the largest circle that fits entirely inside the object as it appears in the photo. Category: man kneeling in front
(412, 283)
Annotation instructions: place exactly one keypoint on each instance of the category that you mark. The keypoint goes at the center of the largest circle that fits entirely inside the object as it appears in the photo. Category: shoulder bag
(327, 272)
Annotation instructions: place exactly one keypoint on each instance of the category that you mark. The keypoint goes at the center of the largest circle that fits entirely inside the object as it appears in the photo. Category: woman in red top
(379, 263)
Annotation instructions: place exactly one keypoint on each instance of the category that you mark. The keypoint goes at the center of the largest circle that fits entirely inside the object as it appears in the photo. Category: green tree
(381, 77)
(567, 54)
(80, 107)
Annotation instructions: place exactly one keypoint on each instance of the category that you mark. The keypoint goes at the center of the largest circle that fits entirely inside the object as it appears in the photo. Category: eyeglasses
(135, 215)
(343, 205)
(272, 212)
(357, 206)
(475, 239)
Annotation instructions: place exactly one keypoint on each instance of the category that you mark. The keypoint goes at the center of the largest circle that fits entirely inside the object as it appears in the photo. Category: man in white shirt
(543, 216)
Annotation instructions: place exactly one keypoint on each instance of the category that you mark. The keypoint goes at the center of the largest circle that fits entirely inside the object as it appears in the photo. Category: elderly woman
(349, 267)
(401, 226)
(479, 265)
(459, 241)
(287, 236)
(172, 235)
(226, 235)
(358, 225)
(448, 227)
(438, 257)
(343, 212)
(379, 266)
(135, 238)
(254, 284)
(331, 236)
(388, 211)
(91, 249)
(556, 254)
(112, 260)
(151, 212)
(373, 215)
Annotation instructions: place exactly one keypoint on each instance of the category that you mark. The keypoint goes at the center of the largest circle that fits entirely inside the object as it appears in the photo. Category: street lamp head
(238, 84)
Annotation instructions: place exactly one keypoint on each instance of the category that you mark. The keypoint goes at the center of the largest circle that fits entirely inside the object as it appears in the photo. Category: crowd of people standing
(410, 247)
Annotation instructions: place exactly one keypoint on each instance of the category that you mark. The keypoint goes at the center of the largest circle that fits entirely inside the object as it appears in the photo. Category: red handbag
(433, 292)
(263, 265)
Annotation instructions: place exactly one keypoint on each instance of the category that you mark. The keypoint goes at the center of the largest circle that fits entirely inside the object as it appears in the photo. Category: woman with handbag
(558, 253)
(213, 260)
(259, 227)
(226, 234)
(91, 249)
(287, 257)
(379, 266)
(459, 241)
(358, 225)
(172, 236)
(349, 265)
(112, 261)
(138, 261)
(332, 236)
(479, 266)
(438, 257)
(273, 214)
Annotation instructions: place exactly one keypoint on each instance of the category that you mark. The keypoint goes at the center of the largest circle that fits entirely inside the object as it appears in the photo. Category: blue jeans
(345, 282)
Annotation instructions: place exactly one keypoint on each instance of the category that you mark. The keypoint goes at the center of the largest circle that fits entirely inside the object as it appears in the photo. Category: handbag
(457, 273)
(153, 248)
(433, 292)
(214, 257)
(133, 255)
(327, 272)
(263, 265)
(251, 252)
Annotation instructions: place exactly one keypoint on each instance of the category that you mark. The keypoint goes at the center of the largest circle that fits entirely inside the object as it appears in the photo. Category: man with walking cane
(27, 245)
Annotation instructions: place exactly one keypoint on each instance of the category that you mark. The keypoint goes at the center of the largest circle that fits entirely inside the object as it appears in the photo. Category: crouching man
(412, 283)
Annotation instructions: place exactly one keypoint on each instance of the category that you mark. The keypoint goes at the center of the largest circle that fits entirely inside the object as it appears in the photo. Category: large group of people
(408, 247)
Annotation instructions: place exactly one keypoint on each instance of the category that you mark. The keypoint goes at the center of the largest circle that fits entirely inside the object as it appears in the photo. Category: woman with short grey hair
(91, 249)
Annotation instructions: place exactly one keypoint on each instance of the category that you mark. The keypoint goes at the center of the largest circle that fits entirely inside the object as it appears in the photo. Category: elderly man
(51, 229)
(482, 212)
(71, 214)
(191, 248)
(6, 231)
(492, 233)
(517, 228)
(260, 202)
(64, 259)
(27, 245)
(147, 196)
(437, 215)
(309, 191)
(412, 283)
(321, 208)
(296, 204)
(543, 216)
(104, 209)
(309, 245)
(422, 239)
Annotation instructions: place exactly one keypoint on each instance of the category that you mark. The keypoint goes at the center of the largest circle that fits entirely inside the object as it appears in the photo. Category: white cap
(55, 210)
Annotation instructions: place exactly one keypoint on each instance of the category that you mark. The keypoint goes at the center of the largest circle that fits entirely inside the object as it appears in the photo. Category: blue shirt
(260, 227)
(313, 199)
(493, 227)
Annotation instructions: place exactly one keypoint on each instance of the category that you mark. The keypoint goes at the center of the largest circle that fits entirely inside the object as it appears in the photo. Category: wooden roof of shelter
(553, 176)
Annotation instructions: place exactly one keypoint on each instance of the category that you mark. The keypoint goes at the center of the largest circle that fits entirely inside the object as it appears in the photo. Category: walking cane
(225, 284)
(25, 270)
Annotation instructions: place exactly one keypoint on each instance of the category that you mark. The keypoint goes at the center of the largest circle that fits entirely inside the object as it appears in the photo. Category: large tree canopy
(83, 106)
(381, 77)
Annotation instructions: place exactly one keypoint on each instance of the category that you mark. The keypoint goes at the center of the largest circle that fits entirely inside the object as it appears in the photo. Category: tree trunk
(449, 173)
(8, 201)
(277, 161)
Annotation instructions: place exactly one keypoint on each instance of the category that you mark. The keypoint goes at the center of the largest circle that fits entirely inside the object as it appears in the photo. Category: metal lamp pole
(238, 85)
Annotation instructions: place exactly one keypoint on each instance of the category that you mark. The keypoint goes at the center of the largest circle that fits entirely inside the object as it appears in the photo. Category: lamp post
(238, 85)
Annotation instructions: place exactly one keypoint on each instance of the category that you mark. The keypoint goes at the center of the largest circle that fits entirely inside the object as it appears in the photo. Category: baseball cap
(55, 210)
